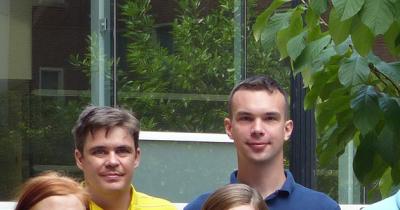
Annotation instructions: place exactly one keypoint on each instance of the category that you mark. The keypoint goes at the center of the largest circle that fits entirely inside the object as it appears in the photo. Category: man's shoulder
(145, 201)
(198, 202)
(304, 195)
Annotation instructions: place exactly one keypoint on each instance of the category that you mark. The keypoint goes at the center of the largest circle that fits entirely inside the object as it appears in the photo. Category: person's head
(257, 83)
(235, 197)
(258, 120)
(107, 149)
(51, 190)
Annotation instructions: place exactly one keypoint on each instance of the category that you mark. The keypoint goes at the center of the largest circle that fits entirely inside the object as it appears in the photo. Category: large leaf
(392, 38)
(311, 52)
(361, 36)
(397, 10)
(347, 8)
(368, 166)
(391, 110)
(283, 36)
(390, 70)
(318, 81)
(386, 183)
(338, 29)
(366, 109)
(319, 6)
(312, 22)
(354, 71)
(388, 146)
(296, 45)
(277, 22)
(327, 148)
(377, 15)
(326, 111)
(262, 19)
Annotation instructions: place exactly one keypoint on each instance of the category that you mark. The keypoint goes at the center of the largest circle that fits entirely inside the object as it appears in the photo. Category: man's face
(258, 125)
(108, 162)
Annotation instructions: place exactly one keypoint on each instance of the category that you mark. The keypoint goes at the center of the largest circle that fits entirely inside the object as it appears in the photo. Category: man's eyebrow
(243, 113)
(97, 147)
(124, 147)
(272, 114)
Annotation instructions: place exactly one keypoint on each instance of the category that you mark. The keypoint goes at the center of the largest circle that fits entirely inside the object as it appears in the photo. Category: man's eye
(245, 118)
(123, 151)
(98, 152)
(271, 118)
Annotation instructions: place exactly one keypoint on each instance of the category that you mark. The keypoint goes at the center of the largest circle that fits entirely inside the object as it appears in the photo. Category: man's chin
(115, 187)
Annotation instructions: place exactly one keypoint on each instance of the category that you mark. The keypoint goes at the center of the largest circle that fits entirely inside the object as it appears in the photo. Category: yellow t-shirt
(141, 201)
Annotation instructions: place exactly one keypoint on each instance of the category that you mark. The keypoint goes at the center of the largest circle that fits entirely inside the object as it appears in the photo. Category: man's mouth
(257, 146)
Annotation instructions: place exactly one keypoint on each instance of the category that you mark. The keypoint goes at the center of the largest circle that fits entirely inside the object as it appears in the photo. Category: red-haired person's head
(51, 190)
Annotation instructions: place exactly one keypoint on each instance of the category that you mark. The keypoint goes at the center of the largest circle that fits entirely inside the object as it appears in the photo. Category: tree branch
(379, 74)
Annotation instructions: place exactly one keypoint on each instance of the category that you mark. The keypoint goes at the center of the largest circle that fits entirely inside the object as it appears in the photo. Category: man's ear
(228, 127)
(137, 158)
(288, 129)
(78, 158)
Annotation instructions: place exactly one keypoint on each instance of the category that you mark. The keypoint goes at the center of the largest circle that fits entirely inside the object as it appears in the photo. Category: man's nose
(257, 129)
(112, 160)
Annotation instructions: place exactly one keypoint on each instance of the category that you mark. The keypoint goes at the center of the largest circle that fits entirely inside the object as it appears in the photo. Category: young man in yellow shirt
(107, 151)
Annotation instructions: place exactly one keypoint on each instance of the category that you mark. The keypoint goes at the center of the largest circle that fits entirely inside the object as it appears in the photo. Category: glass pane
(176, 62)
(45, 81)
(180, 171)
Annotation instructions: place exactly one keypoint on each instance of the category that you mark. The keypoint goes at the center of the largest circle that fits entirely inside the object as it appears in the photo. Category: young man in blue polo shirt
(259, 124)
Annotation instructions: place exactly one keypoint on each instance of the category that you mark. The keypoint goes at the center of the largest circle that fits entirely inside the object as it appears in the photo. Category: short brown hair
(49, 184)
(234, 195)
(96, 117)
(259, 83)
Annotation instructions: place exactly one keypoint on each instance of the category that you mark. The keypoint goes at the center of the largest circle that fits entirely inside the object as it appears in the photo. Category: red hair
(49, 184)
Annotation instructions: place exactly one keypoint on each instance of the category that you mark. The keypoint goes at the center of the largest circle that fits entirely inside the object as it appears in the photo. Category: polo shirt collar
(286, 189)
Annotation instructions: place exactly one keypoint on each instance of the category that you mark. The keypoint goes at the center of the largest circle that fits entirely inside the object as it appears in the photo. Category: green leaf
(366, 109)
(397, 10)
(347, 8)
(343, 47)
(362, 37)
(354, 71)
(283, 36)
(327, 148)
(387, 146)
(368, 166)
(262, 19)
(312, 52)
(338, 102)
(277, 22)
(319, 6)
(391, 110)
(318, 82)
(386, 183)
(296, 45)
(377, 15)
(390, 70)
(338, 29)
(392, 38)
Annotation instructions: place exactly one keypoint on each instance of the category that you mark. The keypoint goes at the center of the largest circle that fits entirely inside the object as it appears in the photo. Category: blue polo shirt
(291, 196)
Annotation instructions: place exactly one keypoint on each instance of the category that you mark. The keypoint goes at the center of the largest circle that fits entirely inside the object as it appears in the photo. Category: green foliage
(185, 87)
(355, 93)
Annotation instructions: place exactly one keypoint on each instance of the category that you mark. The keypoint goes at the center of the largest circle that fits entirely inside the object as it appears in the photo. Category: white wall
(16, 39)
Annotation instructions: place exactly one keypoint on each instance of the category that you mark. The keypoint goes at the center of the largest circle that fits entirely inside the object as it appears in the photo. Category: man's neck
(112, 200)
(265, 178)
